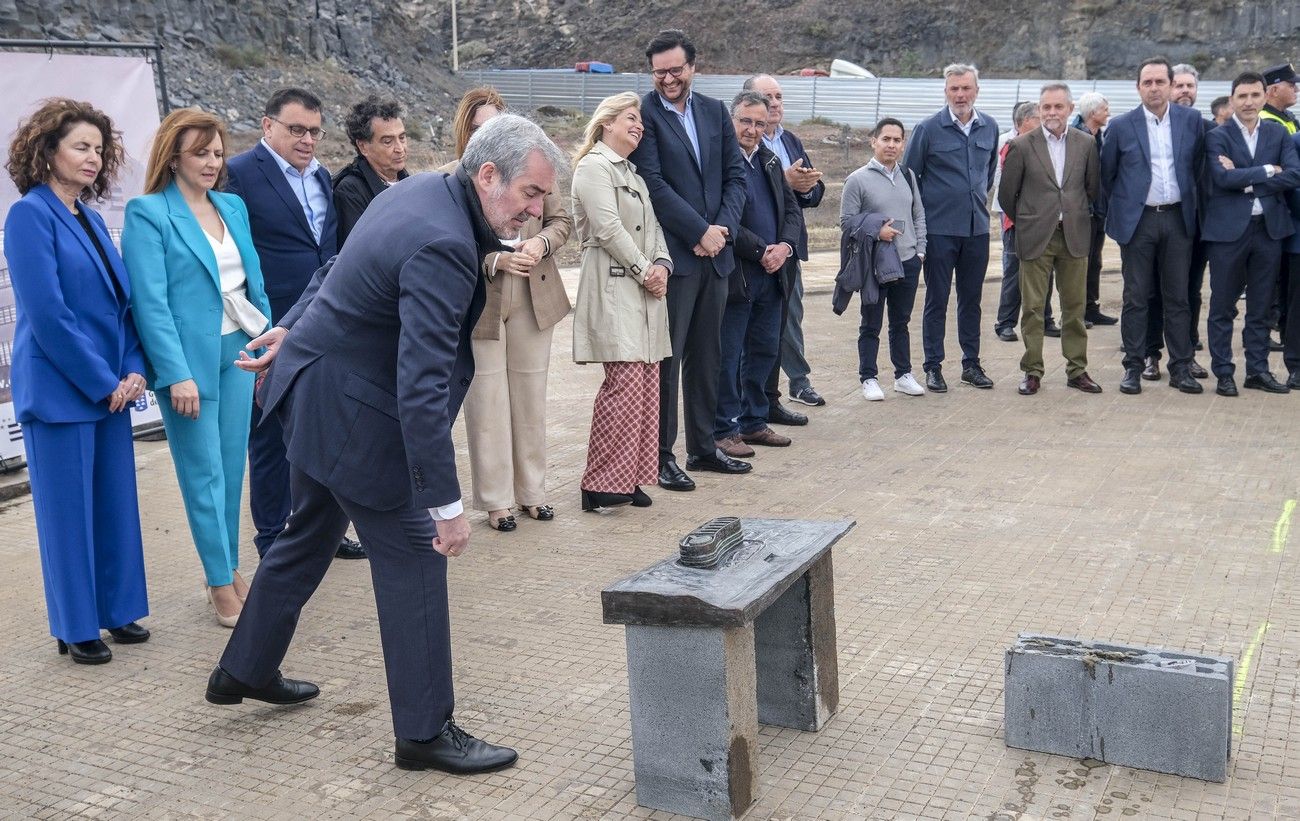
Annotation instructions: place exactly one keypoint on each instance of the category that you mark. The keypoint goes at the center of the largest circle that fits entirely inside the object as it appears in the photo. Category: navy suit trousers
(1251, 262)
(965, 260)
(751, 341)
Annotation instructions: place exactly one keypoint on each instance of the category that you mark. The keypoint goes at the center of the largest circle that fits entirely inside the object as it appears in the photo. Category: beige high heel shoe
(224, 621)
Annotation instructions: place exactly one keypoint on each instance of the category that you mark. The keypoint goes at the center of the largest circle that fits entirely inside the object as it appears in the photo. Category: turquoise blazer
(176, 288)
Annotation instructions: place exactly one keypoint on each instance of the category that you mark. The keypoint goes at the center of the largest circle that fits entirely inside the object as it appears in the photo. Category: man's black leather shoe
(350, 549)
(718, 462)
(976, 378)
(1151, 371)
(1275, 343)
(224, 689)
(1008, 334)
(1227, 386)
(1197, 370)
(779, 414)
(1052, 329)
(1185, 383)
(1132, 381)
(453, 751)
(671, 477)
(1098, 318)
(1293, 381)
(129, 633)
(94, 651)
(1264, 381)
(934, 381)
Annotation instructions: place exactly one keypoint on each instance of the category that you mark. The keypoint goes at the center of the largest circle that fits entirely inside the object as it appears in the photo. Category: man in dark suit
(295, 228)
(954, 157)
(1049, 180)
(693, 170)
(370, 369)
(1250, 164)
(1150, 161)
(376, 131)
(806, 183)
(751, 326)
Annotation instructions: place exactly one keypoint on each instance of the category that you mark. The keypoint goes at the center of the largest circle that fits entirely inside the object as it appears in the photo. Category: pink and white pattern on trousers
(623, 451)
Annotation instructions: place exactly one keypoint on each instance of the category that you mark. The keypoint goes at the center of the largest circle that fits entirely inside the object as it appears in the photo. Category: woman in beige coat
(621, 319)
(505, 409)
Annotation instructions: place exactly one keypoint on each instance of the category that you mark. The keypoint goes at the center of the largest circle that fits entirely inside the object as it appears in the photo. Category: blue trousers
(751, 341)
(209, 454)
(268, 478)
(964, 260)
(1249, 262)
(87, 524)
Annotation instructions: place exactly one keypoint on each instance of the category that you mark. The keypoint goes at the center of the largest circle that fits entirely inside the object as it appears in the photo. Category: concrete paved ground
(1154, 519)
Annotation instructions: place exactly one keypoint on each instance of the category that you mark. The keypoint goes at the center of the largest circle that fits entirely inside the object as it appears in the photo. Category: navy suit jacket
(1126, 168)
(1227, 206)
(689, 197)
(284, 242)
(372, 373)
(954, 172)
(794, 147)
(75, 339)
(1293, 202)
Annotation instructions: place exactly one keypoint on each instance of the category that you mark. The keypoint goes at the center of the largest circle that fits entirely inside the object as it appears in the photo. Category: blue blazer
(1227, 206)
(689, 197)
(1293, 204)
(177, 288)
(284, 242)
(74, 340)
(954, 172)
(794, 147)
(1126, 168)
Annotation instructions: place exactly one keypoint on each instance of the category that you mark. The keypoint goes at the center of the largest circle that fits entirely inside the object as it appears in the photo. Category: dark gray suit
(367, 385)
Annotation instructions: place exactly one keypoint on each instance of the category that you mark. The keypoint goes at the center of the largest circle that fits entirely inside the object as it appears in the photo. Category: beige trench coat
(616, 319)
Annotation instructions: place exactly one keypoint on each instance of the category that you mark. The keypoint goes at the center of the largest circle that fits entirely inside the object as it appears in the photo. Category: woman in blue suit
(199, 299)
(76, 370)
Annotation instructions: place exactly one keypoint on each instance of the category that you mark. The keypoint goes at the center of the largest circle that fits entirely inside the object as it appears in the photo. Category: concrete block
(1148, 708)
(694, 719)
(795, 653)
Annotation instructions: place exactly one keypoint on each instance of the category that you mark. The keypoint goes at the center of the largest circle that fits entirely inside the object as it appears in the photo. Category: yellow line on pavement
(1282, 529)
(1243, 670)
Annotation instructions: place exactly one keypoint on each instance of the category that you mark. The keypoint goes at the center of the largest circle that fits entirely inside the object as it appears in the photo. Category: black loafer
(718, 462)
(350, 549)
(225, 689)
(640, 498)
(1185, 383)
(779, 414)
(131, 633)
(672, 477)
(1007, 334)
(1052, 329)
(1151, 371)
(1132, 381)
(976, 378)
(934, 381)
(1227, 386)
(1197, 371)
(453, 751)
(1264, 381)
(86, 652)
(1096, 317)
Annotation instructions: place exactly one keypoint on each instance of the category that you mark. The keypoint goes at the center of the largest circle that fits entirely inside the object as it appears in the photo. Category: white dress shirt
(1252, 141)
(237, 312)
(1164, 179)
(966, 126)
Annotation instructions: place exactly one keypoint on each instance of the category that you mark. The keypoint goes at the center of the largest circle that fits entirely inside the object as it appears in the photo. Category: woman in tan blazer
(505, 409)
(622, 318)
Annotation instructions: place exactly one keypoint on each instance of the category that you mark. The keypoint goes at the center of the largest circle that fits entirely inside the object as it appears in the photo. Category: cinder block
(1141, 707)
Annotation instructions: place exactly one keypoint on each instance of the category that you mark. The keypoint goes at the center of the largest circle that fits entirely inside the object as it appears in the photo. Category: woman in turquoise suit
(199, 298)
(76, 369)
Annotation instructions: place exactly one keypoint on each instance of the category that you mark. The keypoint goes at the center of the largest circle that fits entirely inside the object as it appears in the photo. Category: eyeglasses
(301, 131)
(676, 71)
(745, 122)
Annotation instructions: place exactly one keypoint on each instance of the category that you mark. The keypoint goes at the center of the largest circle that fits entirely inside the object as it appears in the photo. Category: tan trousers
(505, 409)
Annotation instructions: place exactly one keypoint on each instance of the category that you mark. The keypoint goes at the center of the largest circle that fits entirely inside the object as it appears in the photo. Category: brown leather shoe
(733, 447)
(1029, 385)
(1084, 383)
(765, 436)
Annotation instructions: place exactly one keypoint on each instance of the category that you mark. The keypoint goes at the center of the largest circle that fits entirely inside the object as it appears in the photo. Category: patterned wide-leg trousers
(623, 451)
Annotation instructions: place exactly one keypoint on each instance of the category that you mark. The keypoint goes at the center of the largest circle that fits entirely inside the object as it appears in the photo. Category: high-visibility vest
(1288, 124)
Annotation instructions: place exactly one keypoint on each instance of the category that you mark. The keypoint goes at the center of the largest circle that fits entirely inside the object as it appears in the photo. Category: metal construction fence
(849, 100)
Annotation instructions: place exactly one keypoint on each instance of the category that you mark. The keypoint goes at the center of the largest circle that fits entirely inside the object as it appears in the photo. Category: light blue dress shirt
(687, 119)
(777, 146)
(307, 188)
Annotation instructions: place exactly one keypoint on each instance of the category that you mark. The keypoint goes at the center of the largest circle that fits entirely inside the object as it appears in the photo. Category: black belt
(1169, 206)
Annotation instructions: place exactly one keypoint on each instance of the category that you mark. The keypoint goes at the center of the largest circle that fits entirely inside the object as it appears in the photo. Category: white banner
(121, 87)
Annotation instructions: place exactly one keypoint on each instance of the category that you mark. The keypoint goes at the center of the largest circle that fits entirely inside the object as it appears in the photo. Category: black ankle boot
(592, 500)
(86, 652)
(640, 498)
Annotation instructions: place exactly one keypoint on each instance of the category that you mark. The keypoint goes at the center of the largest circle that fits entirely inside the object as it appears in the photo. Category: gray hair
(1186, 68)
(959, 69)
(748, 98)
(1022, 112)
(1055, 86)
(507, 141)
(1090, 101)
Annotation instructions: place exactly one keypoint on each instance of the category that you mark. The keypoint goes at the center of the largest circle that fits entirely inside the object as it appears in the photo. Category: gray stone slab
(694, 719)
(1148, 708)
(795, 653)
(774, 553)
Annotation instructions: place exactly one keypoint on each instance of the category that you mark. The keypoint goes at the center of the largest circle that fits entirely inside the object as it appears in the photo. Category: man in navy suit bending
(295, 229)
(370, 369)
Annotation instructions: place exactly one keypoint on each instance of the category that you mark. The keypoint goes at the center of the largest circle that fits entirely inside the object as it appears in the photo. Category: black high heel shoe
(640, 498)
(542, 513)
(130, 633)
(86, 652)
(593, 500)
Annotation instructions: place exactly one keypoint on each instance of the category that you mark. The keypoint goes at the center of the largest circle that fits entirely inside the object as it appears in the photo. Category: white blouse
(238, 312)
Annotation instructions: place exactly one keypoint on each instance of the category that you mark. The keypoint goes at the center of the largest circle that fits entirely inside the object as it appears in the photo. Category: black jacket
(355, 186)
(749, 246)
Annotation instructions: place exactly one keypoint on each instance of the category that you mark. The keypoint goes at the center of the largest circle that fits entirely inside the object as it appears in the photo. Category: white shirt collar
(974, 115)
(1052, 137)
(749, 158)
(1153, 119)
(286, 167)
(1243, 128)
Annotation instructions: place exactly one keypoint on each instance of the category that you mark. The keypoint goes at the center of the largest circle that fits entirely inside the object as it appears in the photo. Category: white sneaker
(871, 391)
(907, 384)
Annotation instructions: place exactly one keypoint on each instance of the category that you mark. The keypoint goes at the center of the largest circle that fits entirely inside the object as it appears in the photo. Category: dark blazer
(954, 172)
(1293, 203)
(377, 360)
(289, 252)
(689, 197)
(749, 246)
(75, 339)
(1227, 206)
(354, 188)
(1032, 199)
(794, 147)
(1126, 168)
